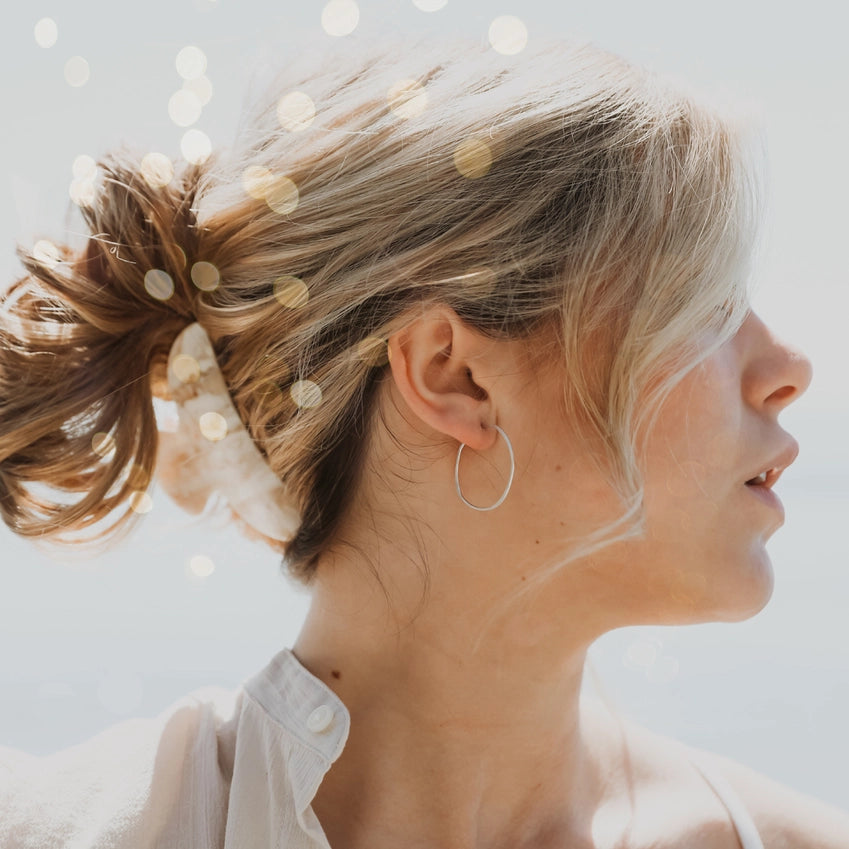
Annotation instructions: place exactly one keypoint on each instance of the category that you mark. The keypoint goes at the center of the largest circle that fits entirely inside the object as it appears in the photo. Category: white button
(320, 719)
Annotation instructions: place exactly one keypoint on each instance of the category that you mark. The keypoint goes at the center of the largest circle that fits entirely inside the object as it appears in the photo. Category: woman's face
(719, 429)
(703, 555)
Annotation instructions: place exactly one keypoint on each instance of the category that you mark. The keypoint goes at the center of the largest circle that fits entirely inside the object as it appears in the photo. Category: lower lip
(765, 494)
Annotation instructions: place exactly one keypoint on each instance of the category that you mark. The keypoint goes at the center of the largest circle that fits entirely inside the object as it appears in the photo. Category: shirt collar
(315, 718)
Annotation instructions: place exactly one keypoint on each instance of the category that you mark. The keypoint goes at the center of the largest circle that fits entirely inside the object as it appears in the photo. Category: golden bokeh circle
(201, 565)
(340, 17)
(195, 146)
(407, 98)
(77, 71)
(46, 32)
(295, 111)
(205, 276)
(508, 35)
(82, 192)
(291, 291)
(282, 195)
(306, 393)
(257, 180)
(373, 351)
(140, 502)
(102, 444)
(191, 62)
(46, 253)
(184, 107)
(186, 368)
(473, 158)
(200, 87)
(213, 426)
(157, 170)
(84, 167)
(159, 284)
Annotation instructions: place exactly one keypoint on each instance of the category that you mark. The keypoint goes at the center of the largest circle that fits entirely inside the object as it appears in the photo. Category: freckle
(336, 673)
(523, 577)
(536, 541)
(558, 467)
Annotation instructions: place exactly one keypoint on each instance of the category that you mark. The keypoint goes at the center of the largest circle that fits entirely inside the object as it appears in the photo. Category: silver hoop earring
(509, 482)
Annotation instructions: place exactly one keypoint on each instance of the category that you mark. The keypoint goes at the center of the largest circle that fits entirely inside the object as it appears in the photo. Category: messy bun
(567, 199)
(79, 336)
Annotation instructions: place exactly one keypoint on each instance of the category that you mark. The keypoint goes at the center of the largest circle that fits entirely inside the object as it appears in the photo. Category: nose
(779, 373)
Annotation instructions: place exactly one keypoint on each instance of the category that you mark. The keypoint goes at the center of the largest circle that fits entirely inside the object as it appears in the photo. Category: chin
(748, 595)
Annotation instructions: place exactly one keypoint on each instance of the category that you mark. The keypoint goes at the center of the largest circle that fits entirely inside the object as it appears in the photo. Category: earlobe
(430, 364)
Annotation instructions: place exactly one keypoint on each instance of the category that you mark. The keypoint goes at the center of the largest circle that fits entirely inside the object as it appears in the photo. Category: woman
(496, 390)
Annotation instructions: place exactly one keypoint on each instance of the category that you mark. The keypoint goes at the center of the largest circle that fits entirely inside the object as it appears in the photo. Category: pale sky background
(88, 643)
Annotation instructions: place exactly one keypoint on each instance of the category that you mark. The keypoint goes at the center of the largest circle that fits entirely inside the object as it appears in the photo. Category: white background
(89, 642)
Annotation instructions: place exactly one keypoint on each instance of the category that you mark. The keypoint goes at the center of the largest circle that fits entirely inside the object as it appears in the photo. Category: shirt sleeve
(140, 784)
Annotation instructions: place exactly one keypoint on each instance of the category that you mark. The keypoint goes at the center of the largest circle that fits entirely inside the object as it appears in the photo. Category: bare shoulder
(785, 818)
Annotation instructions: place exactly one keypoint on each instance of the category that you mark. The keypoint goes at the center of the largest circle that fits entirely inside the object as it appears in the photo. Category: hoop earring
(509, 482)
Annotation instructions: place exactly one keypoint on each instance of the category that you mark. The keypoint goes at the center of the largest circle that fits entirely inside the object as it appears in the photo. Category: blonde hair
(563, 196)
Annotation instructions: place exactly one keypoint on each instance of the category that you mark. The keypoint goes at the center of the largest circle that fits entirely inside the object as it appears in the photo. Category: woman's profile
(469, 342)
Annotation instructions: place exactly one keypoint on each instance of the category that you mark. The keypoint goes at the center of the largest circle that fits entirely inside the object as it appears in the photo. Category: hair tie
(212, 450)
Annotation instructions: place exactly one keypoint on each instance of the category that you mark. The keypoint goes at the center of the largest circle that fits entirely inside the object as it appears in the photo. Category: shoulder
(119, 785)
(785, 818)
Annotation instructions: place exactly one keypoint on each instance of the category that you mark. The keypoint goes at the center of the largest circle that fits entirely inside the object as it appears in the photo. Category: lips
(775, 466)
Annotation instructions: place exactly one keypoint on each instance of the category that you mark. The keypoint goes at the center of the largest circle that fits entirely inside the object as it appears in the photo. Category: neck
(455, 740)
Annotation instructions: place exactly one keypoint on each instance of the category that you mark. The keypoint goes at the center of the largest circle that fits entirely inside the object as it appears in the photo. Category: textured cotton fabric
(216, 769)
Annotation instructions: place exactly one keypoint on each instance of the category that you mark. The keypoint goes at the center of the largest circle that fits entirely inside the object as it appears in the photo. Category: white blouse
(217, 769)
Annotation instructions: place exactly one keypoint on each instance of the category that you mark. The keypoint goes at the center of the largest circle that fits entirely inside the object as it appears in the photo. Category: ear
(441, 368)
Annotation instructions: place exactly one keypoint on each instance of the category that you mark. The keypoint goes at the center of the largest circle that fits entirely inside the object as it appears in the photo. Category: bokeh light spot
(205, 276)
(407, 98)
(77, 71)
(186, 368)
(213, 426)
(184, 108)
(191, 62)
(257, 180)
(473, 158)
(340, 17)
(141, 502)
(201, 566)
(373, 351)
(282, 195)
(291, 291)
(305, 393)
(508, 35)
(102, 444)
(84, 167)
(201, 88)
(195, 146)
(46, 32)
(82, 192)
(45, 252)
(295, 111)
(430, 5)
(157, 170)
(159, 284)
